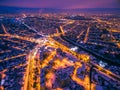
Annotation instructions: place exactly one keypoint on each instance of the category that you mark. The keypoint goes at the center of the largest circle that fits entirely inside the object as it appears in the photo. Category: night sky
(62, 4)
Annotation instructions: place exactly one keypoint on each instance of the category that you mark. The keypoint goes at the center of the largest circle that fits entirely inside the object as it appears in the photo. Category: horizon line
(54, 8)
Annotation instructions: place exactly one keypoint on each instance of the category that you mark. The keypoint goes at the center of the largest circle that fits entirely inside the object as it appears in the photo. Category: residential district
(59, 51)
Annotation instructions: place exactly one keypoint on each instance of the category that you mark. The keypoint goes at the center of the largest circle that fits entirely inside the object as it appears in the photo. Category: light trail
(22, 38)
(6, 51)
(106, 72)
(69, 22)
(98, 44)
(18, 48)
(55, 35)
(80, 34)
(13, 57)
(4, 29)
(115, 30)
(48, 59)
(12, 41)
(86, 36)
(32, 75)
(38, 72)
(72, 27)
(28, 84)
(31, 28)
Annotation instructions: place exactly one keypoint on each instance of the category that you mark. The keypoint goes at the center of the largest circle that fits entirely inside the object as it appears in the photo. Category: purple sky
(62, 3)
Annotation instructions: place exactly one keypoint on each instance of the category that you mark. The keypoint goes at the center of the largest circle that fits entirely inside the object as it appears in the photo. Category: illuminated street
(59, 52)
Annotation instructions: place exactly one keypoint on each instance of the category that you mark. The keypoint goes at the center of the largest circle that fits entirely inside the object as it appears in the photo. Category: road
(33, 62)
(29, 75)
(116, 77)
(86, 35)
(20, 55)
(108, 60)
